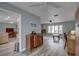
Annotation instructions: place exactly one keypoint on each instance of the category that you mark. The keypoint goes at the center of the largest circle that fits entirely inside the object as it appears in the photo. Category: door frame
(19, 26)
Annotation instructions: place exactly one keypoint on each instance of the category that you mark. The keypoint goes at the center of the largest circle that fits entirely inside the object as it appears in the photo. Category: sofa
(3, 38)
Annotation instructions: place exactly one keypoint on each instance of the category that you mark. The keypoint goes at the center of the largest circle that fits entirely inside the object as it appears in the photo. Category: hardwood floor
(7, 48)
(49, 48)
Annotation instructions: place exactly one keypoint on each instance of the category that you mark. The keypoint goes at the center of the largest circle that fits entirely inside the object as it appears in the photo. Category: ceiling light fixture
(50, 21)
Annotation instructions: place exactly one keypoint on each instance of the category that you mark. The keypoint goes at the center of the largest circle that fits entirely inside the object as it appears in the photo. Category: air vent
(55, 15)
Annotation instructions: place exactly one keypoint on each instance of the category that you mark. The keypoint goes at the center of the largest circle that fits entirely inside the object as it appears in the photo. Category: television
(9, 29)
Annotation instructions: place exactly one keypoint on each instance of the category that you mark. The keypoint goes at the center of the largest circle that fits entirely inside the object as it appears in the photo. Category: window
(52, 29)
(49, 29)
(55, 29)
(60, 29)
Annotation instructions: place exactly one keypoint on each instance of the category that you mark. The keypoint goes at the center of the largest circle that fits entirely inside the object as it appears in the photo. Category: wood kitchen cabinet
(33, 41)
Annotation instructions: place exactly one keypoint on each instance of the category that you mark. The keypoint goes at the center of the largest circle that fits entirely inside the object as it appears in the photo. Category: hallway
(54, 49)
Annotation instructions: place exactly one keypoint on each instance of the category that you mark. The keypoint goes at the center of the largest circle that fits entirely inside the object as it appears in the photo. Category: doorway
(11, 28)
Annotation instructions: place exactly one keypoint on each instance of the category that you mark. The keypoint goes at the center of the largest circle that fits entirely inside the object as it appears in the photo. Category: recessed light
(8, 17)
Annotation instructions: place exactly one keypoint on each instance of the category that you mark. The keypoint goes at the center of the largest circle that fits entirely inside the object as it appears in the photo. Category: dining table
(56, 37)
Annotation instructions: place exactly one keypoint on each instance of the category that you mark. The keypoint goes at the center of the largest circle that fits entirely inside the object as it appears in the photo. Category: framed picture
(32, 24)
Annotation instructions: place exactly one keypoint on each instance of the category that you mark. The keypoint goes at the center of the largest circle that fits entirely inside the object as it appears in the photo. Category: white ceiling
(47, 10)
(27, 6)
(8, 17)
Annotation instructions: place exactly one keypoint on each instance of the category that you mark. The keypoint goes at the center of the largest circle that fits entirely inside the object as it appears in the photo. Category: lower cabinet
(33, 41)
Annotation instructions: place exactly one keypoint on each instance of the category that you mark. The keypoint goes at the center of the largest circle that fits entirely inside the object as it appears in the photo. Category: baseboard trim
(22, 50)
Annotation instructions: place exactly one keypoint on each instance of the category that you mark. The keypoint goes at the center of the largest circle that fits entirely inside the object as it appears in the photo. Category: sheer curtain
(55, 29)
